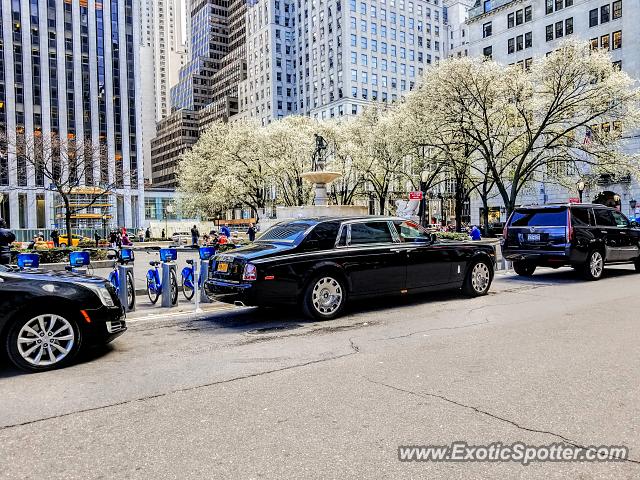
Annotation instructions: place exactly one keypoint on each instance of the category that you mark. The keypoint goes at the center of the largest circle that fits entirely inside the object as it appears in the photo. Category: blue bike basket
(207, 252)
(126, 255)
(79, 259)
(168, 254)
(28, 260)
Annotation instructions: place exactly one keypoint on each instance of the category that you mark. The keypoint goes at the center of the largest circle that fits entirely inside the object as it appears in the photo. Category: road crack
(486, 321)
(493, 416)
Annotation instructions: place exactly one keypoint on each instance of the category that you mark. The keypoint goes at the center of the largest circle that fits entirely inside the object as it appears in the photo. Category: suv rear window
(547, 217)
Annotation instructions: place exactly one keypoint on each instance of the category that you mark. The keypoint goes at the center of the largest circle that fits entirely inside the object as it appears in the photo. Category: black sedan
(46, 317)
(319, 263)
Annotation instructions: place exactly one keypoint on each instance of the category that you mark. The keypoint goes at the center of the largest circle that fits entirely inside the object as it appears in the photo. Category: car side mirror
(633, 224)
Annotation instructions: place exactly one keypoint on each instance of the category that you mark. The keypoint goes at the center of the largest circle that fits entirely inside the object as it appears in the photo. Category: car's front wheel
(594, 266)
(43, 341)
(325, 297)
(478, 279)
(524, 269)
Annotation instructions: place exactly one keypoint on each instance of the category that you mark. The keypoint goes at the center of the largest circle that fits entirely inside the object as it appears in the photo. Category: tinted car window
(410, 231)
(547, 217)
(325, 234)
(604, 217)
(580, 217)
(370, 232)
(287, 233)
(620, 219)
(343, 236)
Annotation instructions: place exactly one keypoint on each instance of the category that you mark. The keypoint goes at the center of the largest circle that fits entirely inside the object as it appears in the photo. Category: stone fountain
(320, 178)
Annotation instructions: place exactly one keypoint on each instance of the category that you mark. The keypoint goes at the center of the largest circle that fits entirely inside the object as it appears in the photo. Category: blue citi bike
(123, 257)
(188, 277)
(154, 284)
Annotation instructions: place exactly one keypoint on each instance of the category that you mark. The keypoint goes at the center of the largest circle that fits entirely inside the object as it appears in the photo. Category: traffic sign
(415, 195)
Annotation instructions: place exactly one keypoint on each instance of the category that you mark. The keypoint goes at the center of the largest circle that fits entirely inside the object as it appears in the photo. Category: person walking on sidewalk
(195, 235)
(251, 232)
(6, 239)
(55, 237)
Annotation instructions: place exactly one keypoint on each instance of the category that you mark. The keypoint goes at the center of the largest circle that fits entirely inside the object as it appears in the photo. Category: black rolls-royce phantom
(320, 263)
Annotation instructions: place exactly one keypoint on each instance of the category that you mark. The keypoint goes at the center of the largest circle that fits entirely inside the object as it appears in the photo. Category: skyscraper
(69, 78)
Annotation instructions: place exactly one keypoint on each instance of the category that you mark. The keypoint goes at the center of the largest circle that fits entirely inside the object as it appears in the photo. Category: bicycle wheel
(152, 291)
(187, 285)
(131, 292)
(173, 283)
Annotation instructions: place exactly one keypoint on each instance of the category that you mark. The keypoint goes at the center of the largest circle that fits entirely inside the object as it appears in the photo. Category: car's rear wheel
(43, 341)
(594, 266)
(478, 280)
(524, 269)
(325, 297)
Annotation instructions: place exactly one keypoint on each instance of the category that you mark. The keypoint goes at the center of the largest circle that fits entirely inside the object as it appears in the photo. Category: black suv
(581, 235)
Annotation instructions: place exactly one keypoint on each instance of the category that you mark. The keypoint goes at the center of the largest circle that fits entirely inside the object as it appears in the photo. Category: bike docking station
(206, 253)
(78, 262)
(28, 260)
(169, 282)
(126, 282)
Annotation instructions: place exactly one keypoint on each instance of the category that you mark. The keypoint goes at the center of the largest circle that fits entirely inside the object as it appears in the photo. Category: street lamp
(580, 186)
(168, 210)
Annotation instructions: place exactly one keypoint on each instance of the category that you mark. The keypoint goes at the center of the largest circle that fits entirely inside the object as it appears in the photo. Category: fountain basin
(321, 176)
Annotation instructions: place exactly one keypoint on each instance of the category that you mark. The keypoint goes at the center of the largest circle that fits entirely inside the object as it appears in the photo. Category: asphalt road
(246, 394)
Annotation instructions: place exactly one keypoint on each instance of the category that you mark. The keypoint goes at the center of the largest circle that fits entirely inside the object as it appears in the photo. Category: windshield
(285, 233)
(547, 217)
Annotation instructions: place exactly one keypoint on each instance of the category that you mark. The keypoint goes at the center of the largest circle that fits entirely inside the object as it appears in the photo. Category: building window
(549, 31)
(559, 30)
(519, 17)
(528, 40)
(487, 52)
(593, 17)
(511, 45)
(486, 30)
(604, 14)
(617, 9)
(604, 42)
(519, 43)
(549, 7)
(510, 20)
(617, 65)
(568, 3)
(559, 4)
(527, 14)
(527, 63)
(487, 6)
(594, 43)
(568, 26)
(617, 40)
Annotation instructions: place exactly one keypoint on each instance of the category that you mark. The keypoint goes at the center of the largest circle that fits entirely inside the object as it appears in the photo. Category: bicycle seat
(154, 263)
(190, 262)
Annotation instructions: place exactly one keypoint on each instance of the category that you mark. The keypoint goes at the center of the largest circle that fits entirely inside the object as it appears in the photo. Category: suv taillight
(250, 272)
(569, 226)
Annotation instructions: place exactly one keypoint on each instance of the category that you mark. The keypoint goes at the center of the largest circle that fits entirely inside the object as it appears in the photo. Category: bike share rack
(167, 257)
(78, 262)
(206, 253)
(28, 260)
(125, 255)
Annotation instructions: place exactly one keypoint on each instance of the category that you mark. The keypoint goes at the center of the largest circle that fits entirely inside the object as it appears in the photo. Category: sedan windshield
(287, 233)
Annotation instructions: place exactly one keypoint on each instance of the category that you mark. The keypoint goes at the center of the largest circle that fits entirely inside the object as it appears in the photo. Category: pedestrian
(125, 240)
(141, 234)
(475, 233)
(162, 236)
(147, 234)
(225, 230)
(96, 237)
(251, 232)
(195, 235)
(55, 237)
(6, 239)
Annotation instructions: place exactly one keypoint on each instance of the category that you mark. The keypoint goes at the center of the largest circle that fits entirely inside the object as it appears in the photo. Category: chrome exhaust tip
(238, 303)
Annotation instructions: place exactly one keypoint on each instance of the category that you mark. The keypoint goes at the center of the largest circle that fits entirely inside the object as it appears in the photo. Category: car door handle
(603, 231)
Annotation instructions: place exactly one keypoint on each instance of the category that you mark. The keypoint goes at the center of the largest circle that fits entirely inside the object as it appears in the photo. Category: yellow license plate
(223, 267)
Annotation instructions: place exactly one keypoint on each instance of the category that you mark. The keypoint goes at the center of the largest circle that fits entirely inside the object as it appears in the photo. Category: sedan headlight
(102, 293)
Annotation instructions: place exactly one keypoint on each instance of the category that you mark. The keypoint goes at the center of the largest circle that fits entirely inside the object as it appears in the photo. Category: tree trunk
(485, 216)
(382, 204)
(67, 219)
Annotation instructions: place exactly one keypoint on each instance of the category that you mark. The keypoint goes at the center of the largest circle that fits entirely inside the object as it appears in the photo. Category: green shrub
(60, 255)
(452, 236)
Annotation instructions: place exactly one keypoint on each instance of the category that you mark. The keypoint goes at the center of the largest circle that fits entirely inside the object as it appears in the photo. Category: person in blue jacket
(225, 231)
(475, 233)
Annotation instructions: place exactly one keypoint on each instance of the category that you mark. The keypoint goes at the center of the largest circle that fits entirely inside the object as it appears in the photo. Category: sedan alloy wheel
(45, 340)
